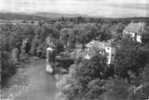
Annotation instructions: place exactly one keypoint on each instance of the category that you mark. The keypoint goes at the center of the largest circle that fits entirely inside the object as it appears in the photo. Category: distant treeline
(62, 17)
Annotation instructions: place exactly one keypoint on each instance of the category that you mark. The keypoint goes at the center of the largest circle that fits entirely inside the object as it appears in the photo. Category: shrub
(8, 68)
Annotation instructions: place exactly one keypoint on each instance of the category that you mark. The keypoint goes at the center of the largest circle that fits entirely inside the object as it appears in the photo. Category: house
(104, 48)
(135, 31)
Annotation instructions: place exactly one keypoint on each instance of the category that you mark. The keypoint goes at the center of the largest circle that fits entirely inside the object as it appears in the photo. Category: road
(41, 86)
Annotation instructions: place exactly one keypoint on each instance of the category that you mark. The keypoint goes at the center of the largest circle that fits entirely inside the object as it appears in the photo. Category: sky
(102, 8)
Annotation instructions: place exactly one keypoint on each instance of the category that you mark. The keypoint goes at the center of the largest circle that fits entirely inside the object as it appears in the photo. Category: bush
(82, 80)
(8, 68)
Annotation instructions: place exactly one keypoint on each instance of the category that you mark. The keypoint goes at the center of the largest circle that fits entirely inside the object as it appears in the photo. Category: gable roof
(135, 27)
(98, 44)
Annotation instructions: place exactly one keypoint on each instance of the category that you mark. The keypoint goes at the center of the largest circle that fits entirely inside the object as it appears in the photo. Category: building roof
(135, 27)
(95, 46)
(98, 44)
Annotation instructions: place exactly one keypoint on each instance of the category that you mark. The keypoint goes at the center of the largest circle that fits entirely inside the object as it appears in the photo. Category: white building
(135, 31)
(103, 48)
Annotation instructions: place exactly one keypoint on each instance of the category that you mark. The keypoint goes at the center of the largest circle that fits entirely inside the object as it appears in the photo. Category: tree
(145, 37)
(67, 36)
(79, 84)
(85, 32)
(7, 67)
(130, 60)
(116, 89)
(104, 32)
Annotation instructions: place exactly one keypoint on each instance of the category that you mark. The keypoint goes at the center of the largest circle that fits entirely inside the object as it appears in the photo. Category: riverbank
(31, 82)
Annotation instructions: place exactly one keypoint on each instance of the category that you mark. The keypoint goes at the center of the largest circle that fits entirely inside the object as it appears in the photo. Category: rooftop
(98, 44)
(135, 27)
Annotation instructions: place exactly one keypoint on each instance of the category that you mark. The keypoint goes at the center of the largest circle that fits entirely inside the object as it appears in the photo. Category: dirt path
(40, 85)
